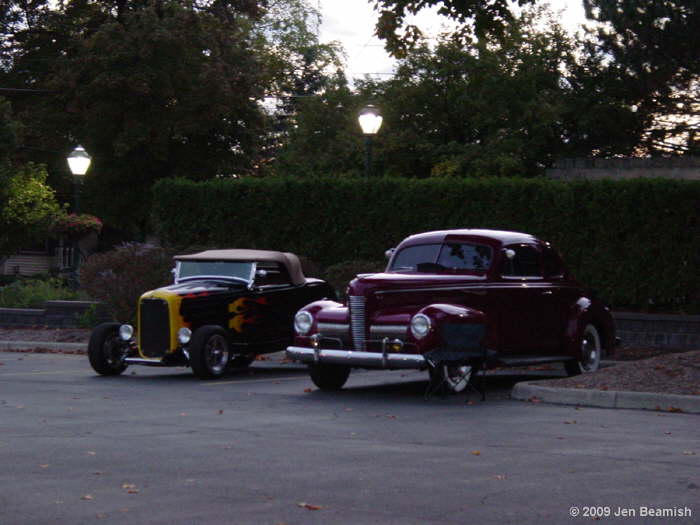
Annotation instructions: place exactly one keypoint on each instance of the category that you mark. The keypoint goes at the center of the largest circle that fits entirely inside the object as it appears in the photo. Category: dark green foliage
(636, 242)
(339, 275)
(118, 278)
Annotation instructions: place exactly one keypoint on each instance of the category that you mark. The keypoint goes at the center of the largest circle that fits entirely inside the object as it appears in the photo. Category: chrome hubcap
(457, 377)
(217, 354)
(590, 351)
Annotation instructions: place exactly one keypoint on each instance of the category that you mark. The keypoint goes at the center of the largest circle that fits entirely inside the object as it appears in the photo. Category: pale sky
(352, 23)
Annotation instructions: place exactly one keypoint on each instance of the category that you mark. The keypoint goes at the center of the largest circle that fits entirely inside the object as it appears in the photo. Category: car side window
(552, 264)
(272, 274)
(524, 263)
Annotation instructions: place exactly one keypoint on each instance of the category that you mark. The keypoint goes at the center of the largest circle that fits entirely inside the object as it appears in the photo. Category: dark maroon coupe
(450, 301)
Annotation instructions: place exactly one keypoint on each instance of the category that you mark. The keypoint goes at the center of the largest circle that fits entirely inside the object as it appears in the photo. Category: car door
(525, 302)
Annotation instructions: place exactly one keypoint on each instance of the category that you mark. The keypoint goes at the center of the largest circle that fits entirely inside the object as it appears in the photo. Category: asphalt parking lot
(263, 446)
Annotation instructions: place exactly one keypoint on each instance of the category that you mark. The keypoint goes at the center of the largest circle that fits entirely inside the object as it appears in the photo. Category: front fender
(448, 323)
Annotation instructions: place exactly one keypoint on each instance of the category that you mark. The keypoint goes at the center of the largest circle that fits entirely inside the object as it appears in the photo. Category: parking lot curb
(528, 391)
(31, 345)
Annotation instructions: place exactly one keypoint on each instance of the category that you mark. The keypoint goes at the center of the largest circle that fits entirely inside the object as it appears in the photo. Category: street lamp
(370, 121)
(78, 162)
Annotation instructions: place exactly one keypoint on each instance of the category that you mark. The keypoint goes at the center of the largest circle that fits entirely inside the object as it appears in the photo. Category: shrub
(33, 293)
(118, 278)
(75, 226)
(637, 242)
(339, 275)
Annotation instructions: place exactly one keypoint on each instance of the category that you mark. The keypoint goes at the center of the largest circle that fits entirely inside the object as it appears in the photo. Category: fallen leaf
(87, 497)
(91, 453)
(674, 409)
(308, 506)
(476, 453)
(183, 413)
(572, 422)
(97, 473)
(534, 399)
(128, 486)
(307, 390)
(499, 476)
(221, 412)
(132, 491)
(101, 516)
(45, 465)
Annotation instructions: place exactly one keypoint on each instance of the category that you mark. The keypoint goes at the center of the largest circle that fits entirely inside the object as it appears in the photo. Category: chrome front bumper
(355, 358)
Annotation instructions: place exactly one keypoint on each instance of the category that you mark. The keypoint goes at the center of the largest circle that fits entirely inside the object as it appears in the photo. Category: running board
(529, 361)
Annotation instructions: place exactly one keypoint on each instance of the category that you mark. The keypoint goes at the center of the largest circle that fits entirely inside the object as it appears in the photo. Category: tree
(504, 108)
(481, 18)
(655, 50)
(324, 139)
(153, 88)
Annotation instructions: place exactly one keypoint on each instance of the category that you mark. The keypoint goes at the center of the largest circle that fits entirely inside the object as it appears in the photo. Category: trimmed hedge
(637, 242)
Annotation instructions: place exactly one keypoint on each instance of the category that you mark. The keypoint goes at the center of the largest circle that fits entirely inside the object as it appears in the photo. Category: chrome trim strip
(354, 358)
(388, 329)
(333, 328)
(474, 288)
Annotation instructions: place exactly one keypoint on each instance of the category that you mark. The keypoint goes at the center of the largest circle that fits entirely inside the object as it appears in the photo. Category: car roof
(499, 236)
(289, 260)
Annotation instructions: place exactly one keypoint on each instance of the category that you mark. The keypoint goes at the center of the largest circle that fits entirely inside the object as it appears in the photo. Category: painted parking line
(249, 381)
(53, 372)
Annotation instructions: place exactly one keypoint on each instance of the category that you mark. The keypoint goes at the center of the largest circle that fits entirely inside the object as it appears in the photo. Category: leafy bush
(118, 278)
(33, 293)
(339, 275)
(637, 242)
(76, 226)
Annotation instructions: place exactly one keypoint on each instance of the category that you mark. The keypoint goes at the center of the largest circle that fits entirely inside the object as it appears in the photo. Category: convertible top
(289, 260)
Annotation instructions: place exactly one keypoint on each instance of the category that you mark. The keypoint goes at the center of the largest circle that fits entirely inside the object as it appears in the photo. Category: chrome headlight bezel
(420, 326)
(303, 321)
(126, 332)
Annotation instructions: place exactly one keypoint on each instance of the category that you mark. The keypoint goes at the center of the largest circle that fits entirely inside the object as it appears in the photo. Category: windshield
(235, 270)
(437, 258)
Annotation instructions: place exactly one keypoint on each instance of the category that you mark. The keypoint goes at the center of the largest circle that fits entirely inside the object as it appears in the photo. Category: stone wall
(687, 168)
(55, 314)
(662, 330)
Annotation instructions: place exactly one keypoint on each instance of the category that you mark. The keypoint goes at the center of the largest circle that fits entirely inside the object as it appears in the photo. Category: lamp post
(370, 121)
(78, 162)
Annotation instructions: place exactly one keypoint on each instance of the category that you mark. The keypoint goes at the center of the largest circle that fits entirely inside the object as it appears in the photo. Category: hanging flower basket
(76, 227)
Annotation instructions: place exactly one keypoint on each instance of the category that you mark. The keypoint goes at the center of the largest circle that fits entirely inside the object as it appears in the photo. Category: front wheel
(210, 352)
(106, 351)
(329, 377)
(590, 353)
(452, 379)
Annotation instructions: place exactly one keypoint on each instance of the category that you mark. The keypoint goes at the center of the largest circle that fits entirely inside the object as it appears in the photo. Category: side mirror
(389, 253)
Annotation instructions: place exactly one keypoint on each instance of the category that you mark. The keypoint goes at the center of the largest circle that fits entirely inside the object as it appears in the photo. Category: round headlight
(420, 326)
(184, 335)
(302, 322)
(126, 332)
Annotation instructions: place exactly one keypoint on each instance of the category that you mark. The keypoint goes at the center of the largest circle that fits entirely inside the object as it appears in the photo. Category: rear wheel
(210, 352)
(106, 350)
(329, 377)
(590, 353)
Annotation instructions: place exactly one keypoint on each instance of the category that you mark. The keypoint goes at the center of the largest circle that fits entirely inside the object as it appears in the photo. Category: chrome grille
(357, 321)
